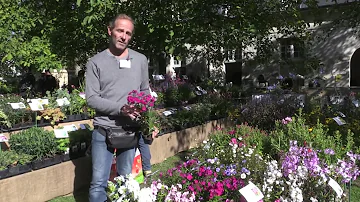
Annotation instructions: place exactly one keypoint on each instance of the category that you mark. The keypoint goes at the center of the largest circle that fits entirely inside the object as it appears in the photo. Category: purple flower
(329, 151)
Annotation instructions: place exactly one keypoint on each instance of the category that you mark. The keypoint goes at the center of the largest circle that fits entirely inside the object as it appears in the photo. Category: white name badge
(126, 64)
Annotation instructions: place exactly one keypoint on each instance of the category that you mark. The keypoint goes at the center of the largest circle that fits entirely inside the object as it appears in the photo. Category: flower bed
(291, 163)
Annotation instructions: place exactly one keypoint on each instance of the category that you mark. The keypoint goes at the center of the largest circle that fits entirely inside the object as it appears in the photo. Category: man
(110, 76)
(47, 82)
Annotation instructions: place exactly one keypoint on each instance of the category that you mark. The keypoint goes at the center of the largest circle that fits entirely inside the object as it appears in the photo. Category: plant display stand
(47, 183)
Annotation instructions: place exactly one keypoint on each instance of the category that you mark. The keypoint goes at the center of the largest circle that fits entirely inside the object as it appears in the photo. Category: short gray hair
(118, 17)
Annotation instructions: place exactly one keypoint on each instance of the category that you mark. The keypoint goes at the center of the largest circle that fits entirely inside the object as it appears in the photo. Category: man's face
(121, 33)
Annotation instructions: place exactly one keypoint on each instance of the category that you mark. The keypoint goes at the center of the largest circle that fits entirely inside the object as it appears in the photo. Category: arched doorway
(355, 69)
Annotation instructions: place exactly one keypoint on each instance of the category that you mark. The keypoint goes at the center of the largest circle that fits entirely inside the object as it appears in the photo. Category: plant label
(342, 114)
(339, 121)
(19, 105)
(125, 64)
(3, 138)
(356, 103)
(337, 188)
(158, 77)
(188, 108)
(61, 133)
(197, 92)
(62, 102)
(83, 145)
(82, 95)
(36, 106)
(85, 126)
(40, 101)
(167, 113)
(69, 128)
(251, 193)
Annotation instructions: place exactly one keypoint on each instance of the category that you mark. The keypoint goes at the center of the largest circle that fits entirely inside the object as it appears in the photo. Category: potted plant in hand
(140, 108)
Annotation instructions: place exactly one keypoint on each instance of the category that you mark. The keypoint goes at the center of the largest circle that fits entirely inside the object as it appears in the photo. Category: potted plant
(12, 163)
(80, 140)
(53, 115)
(18, 118)
(41, 144)
(63, 148)
(4, 121)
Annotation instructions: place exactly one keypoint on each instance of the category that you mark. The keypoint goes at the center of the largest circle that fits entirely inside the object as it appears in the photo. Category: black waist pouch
(120, 137)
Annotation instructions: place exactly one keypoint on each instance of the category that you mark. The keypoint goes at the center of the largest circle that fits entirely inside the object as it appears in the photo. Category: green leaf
(78, 2)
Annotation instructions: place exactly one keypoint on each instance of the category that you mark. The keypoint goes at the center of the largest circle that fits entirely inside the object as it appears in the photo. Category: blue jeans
(102, 156)
(145, 153)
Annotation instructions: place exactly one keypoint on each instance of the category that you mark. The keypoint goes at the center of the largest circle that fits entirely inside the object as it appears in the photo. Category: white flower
(146, 195)
(243, 175)
(313, 199)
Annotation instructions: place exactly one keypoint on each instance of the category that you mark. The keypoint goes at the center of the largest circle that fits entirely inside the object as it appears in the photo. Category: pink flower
(232, 132)
(189, 177)
(234, 141)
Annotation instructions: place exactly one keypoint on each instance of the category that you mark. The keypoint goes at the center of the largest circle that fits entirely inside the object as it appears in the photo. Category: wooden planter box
(68, 177)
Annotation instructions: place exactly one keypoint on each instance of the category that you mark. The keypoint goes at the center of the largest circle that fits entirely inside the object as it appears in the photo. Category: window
(233, 55)
(291, 48)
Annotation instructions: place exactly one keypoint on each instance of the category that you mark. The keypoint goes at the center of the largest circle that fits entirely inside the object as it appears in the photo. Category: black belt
(101, 130)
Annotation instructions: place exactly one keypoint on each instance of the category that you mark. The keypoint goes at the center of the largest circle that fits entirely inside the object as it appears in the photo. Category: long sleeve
(93, 95)
(144, 87)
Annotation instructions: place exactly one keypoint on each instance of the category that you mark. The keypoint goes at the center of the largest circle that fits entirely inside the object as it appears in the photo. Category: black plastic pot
(16, 170)
(65, 157)
(43, 163)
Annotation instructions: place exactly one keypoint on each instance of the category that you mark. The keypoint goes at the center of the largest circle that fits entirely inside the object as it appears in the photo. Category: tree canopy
(64, 33)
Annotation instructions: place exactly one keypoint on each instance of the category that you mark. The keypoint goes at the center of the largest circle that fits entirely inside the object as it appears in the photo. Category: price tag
(251, 193)
(337, 188)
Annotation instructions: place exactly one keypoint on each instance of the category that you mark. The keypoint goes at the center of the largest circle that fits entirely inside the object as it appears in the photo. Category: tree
(18, 48)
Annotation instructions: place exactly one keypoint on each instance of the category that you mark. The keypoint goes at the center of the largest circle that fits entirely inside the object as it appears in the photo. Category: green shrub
(11, 158)
(36, 142)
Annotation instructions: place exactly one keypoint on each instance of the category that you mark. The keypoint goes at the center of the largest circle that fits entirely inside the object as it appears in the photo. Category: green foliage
(22, 43)
(34, 141)
(315, 137)
(4, 120)
(11, 158)
(63, 145)
(14, 116)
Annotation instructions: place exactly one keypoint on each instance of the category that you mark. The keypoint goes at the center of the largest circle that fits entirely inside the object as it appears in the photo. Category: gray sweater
(108, 85)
